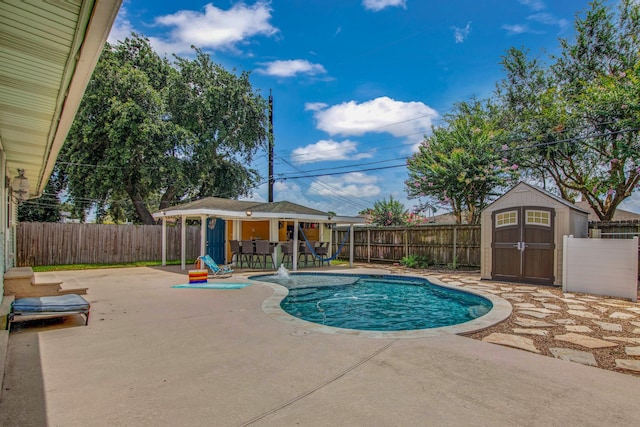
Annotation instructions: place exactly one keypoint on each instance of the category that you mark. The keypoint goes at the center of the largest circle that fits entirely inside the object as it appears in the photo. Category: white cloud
(533, 4)
(380, 115)
(355, 184)
(516, 29)
(328, 150)
(121, 28)
(290, 68)
(314, 106)
(377, 5)
(214, 28)
(549, 19)
(461, 34)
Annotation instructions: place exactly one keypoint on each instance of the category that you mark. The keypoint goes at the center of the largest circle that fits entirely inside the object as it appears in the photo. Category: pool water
(376, 303)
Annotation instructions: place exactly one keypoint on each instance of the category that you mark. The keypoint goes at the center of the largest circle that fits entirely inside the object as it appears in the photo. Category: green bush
(416, 261)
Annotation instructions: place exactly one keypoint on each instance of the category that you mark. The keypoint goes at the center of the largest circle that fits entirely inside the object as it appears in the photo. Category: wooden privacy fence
(448, 244)
(57, 243)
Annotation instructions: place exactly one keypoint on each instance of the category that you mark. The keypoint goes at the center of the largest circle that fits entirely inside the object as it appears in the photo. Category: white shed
(521, 235)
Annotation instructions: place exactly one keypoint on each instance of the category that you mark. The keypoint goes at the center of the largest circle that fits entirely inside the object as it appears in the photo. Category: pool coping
(501, 310)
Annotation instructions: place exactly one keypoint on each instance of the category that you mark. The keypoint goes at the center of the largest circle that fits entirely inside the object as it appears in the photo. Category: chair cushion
(58, 303)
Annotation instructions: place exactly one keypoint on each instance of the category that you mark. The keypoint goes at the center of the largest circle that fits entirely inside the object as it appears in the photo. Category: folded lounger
(60, 305)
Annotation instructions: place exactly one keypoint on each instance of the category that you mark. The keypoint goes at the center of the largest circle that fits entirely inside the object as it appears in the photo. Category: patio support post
(164, 241)
(183, 242)
(294, 262)
(203, 235)
(351, 245)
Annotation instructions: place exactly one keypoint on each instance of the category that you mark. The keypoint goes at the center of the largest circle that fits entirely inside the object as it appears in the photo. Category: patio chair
(248, 251)
(287, 252)
(264, 249)
(322, 251)
(236, 251)
(216, 270)
(305, 251)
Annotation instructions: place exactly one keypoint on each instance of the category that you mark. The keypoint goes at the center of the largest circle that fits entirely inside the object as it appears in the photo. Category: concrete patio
(157, 356)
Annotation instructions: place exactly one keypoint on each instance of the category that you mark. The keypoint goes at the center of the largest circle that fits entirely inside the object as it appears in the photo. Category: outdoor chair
(305, 251)
(287, 252)
(323, 251)
(49, 306)
(248, 252)
(264, 249)
(216, 270)
(236, 251)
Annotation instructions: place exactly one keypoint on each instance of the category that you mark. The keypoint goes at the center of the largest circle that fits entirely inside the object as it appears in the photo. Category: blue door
(215, 239)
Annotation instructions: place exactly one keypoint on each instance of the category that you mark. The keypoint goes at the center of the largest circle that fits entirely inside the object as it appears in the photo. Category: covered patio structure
(246, 220)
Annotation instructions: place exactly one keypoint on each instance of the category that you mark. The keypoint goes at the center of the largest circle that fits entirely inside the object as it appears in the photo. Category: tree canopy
(575, 123)
(461, 164)
(150, 133)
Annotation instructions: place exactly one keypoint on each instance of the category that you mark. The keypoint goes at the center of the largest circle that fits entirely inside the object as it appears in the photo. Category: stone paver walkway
(589, 329)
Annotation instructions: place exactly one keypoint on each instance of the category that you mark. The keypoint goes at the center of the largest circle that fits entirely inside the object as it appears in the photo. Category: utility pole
(271, 144)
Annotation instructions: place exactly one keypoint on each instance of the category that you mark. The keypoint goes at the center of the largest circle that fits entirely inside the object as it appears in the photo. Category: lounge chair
(216, 270)
(53, 306)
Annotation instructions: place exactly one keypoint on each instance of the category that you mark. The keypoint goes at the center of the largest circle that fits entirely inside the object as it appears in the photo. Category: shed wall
(567, 221)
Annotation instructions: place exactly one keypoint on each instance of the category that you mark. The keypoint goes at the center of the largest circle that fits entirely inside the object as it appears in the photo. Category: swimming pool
(376, 302)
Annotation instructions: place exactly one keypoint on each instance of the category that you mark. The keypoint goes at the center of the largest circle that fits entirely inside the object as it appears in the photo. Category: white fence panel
(601, 266)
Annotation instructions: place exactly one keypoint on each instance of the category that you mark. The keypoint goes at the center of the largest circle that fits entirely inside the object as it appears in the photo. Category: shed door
(523, 248)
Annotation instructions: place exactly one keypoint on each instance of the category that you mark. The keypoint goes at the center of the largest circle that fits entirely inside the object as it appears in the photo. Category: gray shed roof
(544, 192)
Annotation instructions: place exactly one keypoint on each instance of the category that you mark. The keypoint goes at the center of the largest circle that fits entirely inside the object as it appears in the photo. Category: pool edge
(501, 310)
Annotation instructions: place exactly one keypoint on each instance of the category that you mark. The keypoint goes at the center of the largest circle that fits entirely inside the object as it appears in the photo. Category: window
(506, 218)
(539, 218)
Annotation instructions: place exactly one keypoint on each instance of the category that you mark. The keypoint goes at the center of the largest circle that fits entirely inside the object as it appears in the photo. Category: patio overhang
(48, 51)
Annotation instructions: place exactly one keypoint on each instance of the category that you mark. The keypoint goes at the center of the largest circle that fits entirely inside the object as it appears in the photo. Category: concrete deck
(157, 356)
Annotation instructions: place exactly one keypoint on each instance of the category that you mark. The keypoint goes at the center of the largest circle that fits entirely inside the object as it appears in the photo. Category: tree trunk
(141, 208)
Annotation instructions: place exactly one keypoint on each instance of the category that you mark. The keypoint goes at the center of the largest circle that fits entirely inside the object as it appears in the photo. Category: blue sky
(356, 83)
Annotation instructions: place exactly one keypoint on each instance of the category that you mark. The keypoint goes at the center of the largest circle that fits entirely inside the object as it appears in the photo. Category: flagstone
(567, 295)
(541, 332)
(611, 327)
(565, 321)
(570, 301)
(506, 289)
(623, 339)
(636, 331)
(578, 328)
(516, 299)
(601, 309)
(541, 299)
(455, 283)
(611, 304)
(544, 295)
(635, 323)
(551, 306)
(632, 351)
(572, 355)
(542, 310)
(576, 307)
(620, 315)
(533, 314)
(634, 309)
(632, 365)
(525, 305)
(584, 340)
(512, 295)
(530, 323)
(512, 341)
(589, 299)
(583, 314)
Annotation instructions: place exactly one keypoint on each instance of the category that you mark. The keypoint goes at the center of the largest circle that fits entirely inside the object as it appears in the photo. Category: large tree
(575, 122)
(461, 165)
(150, 133)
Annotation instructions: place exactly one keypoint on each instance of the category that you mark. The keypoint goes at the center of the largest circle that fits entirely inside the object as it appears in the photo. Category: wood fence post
(455, 246)
(405, 236)
(368, 246)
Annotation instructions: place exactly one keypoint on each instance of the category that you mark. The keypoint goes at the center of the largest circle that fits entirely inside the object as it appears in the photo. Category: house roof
(48, 52)
(619, 214)
(247, 211)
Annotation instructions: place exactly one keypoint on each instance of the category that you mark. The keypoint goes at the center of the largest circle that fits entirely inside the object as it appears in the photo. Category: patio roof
(48, 52)
(253, 211)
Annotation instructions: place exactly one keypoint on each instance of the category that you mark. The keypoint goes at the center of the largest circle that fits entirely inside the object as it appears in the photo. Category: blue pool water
(376, 303)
